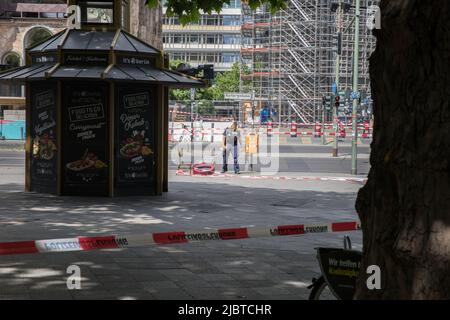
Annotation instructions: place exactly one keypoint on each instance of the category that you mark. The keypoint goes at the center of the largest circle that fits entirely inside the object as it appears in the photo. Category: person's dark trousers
(225, 166)
(236, 160)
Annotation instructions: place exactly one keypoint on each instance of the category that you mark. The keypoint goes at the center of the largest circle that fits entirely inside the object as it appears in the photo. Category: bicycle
(339, 270)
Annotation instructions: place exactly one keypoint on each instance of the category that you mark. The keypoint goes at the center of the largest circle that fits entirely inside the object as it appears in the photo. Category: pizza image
(80, 165)
(89, 160)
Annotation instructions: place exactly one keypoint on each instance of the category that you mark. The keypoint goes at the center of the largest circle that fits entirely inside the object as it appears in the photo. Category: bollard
(342, 132)
(294, 129)
(318, 130)
(269, 128)
(212, 132)
(366, 127)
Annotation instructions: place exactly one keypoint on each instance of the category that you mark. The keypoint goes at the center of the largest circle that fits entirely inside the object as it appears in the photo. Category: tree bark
(405, 206)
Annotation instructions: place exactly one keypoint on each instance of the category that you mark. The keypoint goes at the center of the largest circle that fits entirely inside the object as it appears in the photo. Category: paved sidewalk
(12, 145)
(263, 268)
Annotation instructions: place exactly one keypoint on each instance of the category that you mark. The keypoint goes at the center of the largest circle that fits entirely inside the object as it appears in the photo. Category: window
(231, 20)
(210, 57)
(210, 39)
(231, 39)
(211, 20)
(193, 57)
(178, 56)
(234, 4)
(11, 60)
(36, 35)
(49, 15)
(101, 12)
(30, 15)
(230, 57)
(194, 38)
(177, 39)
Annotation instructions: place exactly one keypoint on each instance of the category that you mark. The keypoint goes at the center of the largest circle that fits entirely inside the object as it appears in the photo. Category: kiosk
(97, 107)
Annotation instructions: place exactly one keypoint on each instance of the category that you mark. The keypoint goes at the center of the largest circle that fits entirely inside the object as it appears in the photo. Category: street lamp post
(337, 75)
(355, 90)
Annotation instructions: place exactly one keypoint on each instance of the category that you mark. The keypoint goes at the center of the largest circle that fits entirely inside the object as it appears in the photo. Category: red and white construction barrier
(226, 175)
(142, 240)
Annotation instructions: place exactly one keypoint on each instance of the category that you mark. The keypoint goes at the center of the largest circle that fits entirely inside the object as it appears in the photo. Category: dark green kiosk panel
(97, 108)
(43, 136)
(85, 139)
(135, 152)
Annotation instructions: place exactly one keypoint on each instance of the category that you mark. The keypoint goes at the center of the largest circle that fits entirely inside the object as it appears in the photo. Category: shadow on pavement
(262, 268)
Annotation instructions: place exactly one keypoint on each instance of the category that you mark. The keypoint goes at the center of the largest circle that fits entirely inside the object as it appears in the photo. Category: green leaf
(189, 10)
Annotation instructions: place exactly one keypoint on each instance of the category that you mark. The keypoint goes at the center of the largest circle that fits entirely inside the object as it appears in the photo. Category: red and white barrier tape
(140, 240)
(181, 172)
(299, 133)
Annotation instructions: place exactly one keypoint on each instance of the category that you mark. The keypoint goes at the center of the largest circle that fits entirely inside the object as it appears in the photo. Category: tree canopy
(189, 10)
(227, 81)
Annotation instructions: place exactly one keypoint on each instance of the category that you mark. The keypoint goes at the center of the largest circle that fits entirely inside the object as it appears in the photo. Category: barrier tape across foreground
(128, 241)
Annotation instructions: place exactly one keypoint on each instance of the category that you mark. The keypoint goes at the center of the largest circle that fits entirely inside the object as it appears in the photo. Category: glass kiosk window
(97, 12)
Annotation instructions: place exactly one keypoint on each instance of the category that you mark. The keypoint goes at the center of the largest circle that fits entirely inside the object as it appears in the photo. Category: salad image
(44, 148)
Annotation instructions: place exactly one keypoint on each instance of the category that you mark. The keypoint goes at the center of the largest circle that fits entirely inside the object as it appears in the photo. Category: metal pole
(1, 121)
(192, 113)
(355, 90)
(324, 140)
(337, 77)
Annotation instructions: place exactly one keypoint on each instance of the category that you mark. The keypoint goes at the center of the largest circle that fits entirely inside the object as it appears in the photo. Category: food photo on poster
(43, 137)
(135, 135)
(86, 160)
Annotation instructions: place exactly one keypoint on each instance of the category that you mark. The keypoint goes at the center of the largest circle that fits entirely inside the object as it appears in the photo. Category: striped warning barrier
(261, 177)
(163, 238)
(270, 132)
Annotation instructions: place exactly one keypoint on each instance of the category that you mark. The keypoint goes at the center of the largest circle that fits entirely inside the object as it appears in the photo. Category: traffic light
(337, 41)
(204, 71)
(337, 101)
(326, 102)
(208, 71)
(346, 5)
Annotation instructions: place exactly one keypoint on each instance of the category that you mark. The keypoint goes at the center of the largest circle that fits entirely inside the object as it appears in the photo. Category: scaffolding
(288, 58)
(260, 56)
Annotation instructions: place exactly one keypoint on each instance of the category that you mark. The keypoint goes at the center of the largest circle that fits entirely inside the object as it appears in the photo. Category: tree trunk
(405, 206)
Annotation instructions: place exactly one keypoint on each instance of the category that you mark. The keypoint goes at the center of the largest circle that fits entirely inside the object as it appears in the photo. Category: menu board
(85, 153)
(43, 138)
(134, 135)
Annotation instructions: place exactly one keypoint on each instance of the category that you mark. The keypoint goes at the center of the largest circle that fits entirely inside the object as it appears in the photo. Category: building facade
(24, 23)
(214, 39)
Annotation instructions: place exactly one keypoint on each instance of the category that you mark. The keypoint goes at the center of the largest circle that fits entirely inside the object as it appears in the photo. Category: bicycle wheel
(320, 291)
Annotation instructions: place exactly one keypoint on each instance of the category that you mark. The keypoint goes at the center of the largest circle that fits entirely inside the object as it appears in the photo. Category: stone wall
(146, 23)
(14, 31)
